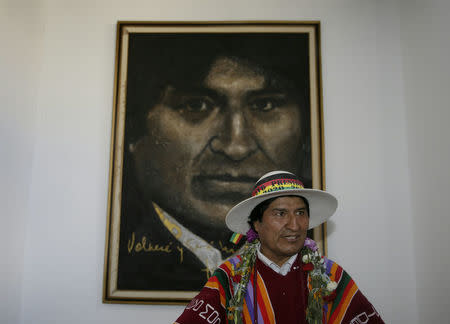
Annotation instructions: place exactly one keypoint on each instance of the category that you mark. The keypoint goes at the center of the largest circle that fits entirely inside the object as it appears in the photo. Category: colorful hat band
(277, 185)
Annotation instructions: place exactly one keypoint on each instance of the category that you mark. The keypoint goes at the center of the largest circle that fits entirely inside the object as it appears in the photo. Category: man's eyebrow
(285, 209)
(279, 209)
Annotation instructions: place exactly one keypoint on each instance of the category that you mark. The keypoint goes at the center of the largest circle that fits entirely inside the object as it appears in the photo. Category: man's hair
(258, 211)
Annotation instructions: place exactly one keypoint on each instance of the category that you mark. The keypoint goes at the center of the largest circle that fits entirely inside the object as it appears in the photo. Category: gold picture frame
(174, 96)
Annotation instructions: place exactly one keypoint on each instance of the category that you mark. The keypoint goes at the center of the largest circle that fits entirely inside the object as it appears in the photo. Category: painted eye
(197, 105)
(195, 109)
(264, 104)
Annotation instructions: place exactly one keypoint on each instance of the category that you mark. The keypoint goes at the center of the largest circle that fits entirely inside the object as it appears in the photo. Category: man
(279, 277)
(205, 116)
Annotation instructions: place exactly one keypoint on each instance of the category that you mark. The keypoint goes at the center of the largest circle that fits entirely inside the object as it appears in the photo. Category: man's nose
(234, 139)
(292, 222)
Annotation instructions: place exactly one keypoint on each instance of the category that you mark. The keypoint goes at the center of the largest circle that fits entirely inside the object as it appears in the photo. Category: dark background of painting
(155, 60)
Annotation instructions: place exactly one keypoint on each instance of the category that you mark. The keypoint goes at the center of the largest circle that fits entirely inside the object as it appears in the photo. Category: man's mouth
(292, 238)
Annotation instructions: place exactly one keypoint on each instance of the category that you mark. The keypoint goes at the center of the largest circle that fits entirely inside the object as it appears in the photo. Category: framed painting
(201, 111)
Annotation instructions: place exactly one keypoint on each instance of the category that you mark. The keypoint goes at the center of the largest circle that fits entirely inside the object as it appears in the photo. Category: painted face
(282, 229)
(207, 145)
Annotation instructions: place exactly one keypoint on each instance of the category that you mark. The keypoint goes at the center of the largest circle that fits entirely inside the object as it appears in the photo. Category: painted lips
(222, 187)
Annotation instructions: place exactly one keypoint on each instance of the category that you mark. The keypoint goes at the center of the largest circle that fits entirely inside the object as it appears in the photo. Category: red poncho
(279, 299)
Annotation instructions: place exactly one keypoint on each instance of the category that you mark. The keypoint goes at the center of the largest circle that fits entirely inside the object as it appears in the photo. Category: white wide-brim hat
(322, 205)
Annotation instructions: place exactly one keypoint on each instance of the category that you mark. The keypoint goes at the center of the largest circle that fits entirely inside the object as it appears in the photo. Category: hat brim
(322, 206)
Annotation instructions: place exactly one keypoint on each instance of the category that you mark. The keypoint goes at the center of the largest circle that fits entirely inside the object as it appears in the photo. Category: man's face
(208, 144)
(282, 229)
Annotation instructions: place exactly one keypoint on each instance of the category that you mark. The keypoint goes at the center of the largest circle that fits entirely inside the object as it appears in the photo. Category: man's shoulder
(230, 265)
(331, 266)
(338, 274)
(226, 273)
(349, 305)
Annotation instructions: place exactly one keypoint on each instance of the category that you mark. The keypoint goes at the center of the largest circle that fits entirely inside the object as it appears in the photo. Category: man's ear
(256, 225)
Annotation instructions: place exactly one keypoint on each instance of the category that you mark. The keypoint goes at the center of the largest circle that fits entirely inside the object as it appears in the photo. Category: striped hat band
(277, 182)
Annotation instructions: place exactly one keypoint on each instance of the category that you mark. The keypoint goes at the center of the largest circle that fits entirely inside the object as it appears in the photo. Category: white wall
(366, 156)
(58, 86)
(20, 33)
(426, 52)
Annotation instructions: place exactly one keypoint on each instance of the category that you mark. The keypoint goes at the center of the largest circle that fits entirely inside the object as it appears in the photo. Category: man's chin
(292, 248)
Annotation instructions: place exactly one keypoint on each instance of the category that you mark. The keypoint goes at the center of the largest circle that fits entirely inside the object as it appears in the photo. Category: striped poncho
(279, 299)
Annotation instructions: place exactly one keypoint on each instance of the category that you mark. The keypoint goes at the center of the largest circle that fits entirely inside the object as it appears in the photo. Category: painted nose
(234, 139)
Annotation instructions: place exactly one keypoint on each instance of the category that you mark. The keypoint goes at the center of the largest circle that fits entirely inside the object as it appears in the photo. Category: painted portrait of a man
(206, 114)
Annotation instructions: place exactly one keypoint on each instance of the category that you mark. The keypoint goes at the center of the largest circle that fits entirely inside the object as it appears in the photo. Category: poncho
(279, 299)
